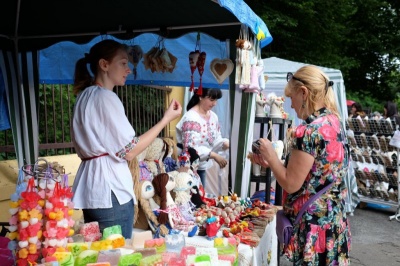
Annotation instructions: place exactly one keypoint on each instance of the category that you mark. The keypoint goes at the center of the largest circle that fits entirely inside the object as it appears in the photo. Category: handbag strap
(311, 200)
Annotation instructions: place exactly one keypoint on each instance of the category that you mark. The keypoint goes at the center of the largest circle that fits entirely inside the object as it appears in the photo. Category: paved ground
(375, 239)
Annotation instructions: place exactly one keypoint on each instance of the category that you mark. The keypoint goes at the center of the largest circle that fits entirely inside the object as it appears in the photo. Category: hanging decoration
(135, 54)
(243, 58)
(221, 68)
(197, 59)
(158, 59)
(256, 69)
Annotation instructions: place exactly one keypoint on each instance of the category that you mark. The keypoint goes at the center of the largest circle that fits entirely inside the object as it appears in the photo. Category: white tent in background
(276, 69)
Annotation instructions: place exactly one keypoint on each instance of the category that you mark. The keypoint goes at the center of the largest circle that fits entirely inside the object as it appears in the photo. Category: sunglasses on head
(290, 76)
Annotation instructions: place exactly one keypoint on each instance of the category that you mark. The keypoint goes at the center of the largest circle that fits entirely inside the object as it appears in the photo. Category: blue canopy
(57, 63)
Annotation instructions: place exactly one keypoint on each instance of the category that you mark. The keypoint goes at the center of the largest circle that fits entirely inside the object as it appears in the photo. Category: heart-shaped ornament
(221, 69)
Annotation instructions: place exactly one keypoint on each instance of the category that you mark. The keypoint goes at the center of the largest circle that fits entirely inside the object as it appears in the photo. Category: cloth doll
(144, 170)
(169, 211)
(169, 162)
(212, 226)
(147, 203)
(153, 158)
(183, 189)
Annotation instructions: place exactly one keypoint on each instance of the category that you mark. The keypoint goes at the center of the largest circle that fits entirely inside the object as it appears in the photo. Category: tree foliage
(359, 37)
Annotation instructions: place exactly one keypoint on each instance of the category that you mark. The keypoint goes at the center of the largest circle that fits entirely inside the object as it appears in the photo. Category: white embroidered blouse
(102, 135)
(201, 134)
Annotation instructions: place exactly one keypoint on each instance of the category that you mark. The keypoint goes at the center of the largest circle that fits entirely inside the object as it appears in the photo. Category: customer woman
(317, 158)
(104, 138)
(356, 110)
(199, 128)
(390, 111)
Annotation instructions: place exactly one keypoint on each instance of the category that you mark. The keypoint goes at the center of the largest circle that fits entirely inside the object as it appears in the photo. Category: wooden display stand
(266, 177)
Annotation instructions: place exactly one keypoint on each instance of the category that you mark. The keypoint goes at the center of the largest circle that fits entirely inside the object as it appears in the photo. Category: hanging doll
(145, 195)
(169, 211)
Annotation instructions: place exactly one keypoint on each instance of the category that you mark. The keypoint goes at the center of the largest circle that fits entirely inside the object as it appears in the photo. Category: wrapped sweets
(101, 245)
(64, 258)
(91, 231)
(112, 256)
(130, 259)
(77, 248)
(85, 257)
(158, 243)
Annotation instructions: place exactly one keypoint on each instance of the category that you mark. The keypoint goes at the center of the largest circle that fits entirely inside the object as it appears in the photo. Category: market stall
(21, 43)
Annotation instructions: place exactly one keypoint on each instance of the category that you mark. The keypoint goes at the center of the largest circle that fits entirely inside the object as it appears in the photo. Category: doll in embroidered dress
(183, 189)
(169, 210)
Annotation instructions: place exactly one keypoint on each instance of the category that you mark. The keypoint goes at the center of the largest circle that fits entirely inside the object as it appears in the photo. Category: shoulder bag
(284, 227)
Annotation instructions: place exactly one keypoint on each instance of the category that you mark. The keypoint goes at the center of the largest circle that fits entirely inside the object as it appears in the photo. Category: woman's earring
(303, 105)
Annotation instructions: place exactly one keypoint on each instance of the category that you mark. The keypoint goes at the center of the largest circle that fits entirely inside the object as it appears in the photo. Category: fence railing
(144, 106)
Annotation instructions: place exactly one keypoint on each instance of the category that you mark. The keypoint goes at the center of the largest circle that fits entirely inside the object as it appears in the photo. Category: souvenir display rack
(266, 178)
(369, 146)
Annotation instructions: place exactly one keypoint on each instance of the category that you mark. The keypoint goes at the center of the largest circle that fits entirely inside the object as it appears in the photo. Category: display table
(264, 254)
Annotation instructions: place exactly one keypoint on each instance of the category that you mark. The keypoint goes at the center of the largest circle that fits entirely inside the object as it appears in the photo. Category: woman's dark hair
(357, 106)
(213, 94)
(391, 111)
(107, 50)
(391, 108)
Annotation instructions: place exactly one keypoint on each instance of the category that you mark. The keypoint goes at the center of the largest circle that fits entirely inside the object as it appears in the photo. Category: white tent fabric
(276, 69)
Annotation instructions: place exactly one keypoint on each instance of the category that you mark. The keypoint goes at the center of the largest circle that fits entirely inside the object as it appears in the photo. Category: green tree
(358, 37)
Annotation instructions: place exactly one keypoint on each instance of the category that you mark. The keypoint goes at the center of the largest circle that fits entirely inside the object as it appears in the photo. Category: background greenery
(360, 37)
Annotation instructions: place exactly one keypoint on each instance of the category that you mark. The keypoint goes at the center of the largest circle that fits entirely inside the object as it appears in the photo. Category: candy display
(42, 229)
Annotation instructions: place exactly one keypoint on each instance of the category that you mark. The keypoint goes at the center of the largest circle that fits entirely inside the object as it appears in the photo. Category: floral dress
(323, 235)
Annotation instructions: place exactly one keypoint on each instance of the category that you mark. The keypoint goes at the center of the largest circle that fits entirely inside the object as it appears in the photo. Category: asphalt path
(375, 238)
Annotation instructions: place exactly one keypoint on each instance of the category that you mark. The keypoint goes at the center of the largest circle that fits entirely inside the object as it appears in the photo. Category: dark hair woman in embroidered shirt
(104, 138)
(317, 158)
(199, 128)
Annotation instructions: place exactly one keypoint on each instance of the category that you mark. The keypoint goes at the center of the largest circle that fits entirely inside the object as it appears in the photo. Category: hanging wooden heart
(221, 69)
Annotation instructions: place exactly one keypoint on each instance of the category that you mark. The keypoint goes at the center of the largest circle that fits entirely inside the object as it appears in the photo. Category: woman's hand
(174, 110)
(219, 159)
(257, 159)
